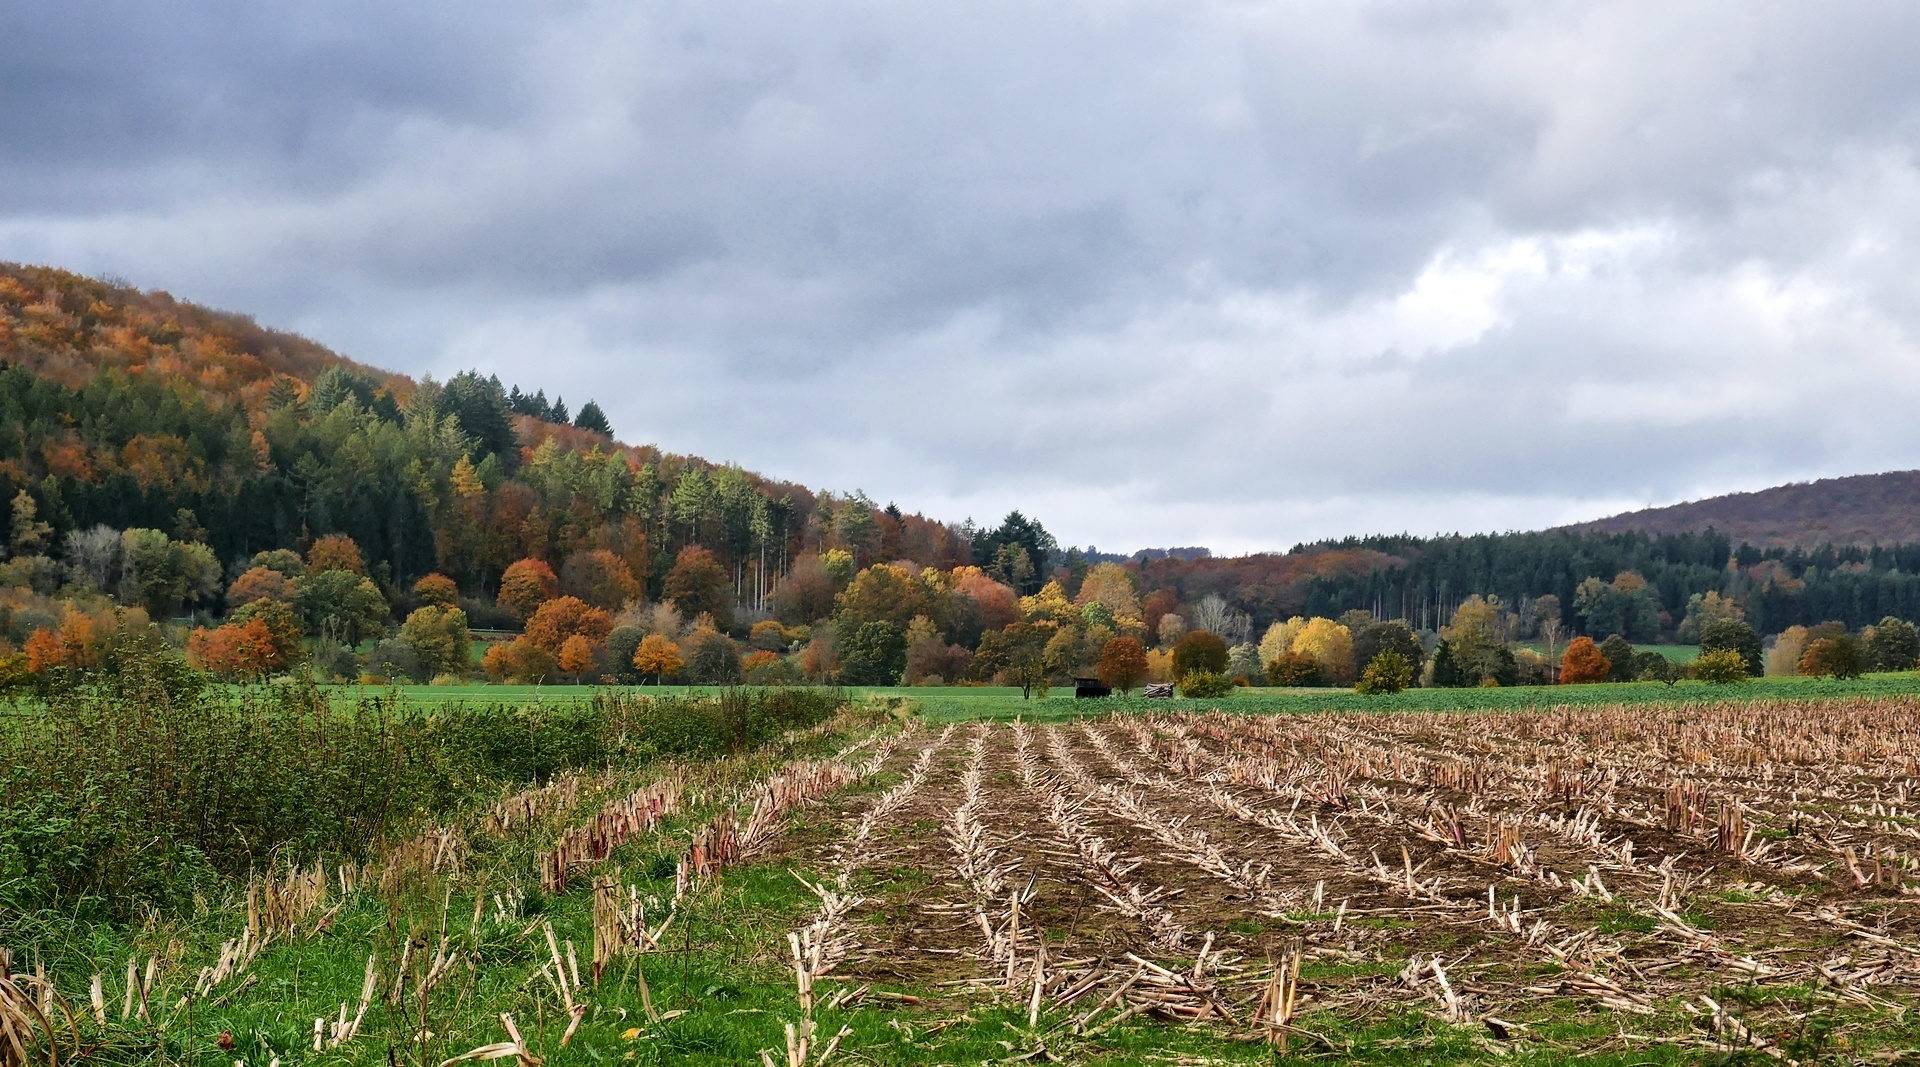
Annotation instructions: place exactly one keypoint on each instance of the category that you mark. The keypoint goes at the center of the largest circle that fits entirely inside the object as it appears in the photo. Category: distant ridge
(1859, 509)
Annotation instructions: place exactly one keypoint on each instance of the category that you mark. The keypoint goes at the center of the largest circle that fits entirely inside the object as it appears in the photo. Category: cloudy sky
(1235, 274)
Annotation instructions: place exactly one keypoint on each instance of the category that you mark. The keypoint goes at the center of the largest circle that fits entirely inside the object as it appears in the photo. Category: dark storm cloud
(1236, 273)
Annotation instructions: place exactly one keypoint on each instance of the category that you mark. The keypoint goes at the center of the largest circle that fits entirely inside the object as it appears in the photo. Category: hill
(68, 328)
(1861, 509)
(128, 409)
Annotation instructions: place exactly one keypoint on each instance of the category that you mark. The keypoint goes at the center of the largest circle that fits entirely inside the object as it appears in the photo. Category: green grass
(959, 703)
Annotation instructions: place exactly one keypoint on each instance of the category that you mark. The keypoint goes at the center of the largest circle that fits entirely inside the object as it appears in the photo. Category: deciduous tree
(341, 605)
(658, 656)
(436, 590)
(440, 638)
(1123, 663)
(336, 552)
(1717, 634)
(600, 578)
(1199, 651)
(1387, 672)
(699, 585)
(1619, 652)
(259, 583)
(1721, 666)
(1295, 669)
(1583, 662)
(1833, 657)
(576, 656)
(526, 585)
(1894, 645)
(564, 617)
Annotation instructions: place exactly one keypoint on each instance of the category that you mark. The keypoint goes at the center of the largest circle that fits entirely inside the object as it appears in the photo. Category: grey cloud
(1280, 266)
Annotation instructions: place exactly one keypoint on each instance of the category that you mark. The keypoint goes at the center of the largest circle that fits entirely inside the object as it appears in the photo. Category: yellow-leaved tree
(1331, 645)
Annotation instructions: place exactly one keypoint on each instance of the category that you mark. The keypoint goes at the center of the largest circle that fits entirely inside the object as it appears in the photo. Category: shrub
(1722, 666)
(1654, 667)
(777, 671)
(395, 657)
(1205, 684)
(139, 788)
(1295, 669)
(1389, 672)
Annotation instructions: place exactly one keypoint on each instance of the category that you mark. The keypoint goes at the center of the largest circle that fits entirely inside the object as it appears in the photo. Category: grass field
(1627, 881)
(960, 703)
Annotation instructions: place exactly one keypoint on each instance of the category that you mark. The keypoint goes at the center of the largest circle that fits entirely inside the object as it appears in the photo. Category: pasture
(1177, 883)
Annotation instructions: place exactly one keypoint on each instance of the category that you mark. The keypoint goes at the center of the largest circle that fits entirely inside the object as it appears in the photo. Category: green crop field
(957, 703)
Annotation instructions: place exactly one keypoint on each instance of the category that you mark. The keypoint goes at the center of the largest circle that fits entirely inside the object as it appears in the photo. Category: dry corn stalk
(1277, 1003)
(332, 1034)
(618, 821)
(516, 1048)
(31, 1018)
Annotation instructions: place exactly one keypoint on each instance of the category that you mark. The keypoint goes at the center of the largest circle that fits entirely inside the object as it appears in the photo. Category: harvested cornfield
(1687, 878)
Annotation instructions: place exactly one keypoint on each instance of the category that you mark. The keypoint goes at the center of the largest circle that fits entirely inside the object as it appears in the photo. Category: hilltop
(1861, 509)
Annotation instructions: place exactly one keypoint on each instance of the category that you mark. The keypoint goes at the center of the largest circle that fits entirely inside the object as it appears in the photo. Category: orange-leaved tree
(244, 650)
(1123, 663)
(260, 583)
(526, 585)
(658, 656)
(576, 656)
(565, 617)
(520, 661)
(336, 552)
(1584, 663)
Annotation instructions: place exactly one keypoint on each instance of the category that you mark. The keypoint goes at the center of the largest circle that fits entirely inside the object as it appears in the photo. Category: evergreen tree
(481, 406)
(592, 418)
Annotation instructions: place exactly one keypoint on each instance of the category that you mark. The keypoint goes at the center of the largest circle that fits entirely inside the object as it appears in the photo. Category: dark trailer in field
(1091, 687)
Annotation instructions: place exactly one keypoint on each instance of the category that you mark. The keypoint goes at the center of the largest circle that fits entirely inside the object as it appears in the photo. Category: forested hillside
(1864, 509)
(160, 461)
(130, 409)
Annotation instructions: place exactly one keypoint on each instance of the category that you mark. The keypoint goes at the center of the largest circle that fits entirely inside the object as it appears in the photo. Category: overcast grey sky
(1235, 274)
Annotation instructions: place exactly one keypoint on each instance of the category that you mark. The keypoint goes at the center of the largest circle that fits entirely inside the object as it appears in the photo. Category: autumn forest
(270, 506)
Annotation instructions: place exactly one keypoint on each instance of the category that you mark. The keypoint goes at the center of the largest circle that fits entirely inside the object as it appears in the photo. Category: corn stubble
(1270, 879)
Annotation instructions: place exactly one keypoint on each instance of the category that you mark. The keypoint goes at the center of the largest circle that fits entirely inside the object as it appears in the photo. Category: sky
(1232, 274)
